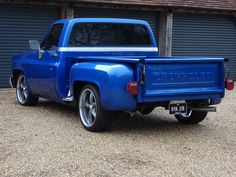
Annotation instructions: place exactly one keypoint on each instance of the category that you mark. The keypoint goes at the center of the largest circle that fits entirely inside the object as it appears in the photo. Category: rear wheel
(145, 110)
(191, 117)
(22, 94)
(93, 117)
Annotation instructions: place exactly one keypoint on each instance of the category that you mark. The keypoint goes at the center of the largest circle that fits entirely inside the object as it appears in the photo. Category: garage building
(182, 28)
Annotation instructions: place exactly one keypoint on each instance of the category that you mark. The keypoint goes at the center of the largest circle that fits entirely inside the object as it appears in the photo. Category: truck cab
(108, 65)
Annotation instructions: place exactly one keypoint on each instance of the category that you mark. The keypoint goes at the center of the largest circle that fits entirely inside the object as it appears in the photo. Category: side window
(51, 41)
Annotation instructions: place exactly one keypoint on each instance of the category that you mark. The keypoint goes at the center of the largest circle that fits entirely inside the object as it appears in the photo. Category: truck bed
(173, 78)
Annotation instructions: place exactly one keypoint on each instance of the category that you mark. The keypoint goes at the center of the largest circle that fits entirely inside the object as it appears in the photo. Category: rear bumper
(184, 92)
(214, 96)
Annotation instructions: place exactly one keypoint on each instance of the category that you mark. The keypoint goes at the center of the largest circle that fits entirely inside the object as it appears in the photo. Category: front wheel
(93, 117)
(191, 117)
(22, 94)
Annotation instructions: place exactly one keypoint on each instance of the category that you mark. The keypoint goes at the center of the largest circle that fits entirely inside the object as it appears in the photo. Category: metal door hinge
(142, 74)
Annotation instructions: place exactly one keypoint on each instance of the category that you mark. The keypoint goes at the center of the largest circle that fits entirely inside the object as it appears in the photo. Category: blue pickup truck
(111, 65)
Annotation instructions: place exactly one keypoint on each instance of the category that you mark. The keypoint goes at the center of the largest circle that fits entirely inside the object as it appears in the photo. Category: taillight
(229, 84)
(132, 88)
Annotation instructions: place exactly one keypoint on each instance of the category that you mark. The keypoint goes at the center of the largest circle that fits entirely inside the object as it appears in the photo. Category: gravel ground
(49, 140)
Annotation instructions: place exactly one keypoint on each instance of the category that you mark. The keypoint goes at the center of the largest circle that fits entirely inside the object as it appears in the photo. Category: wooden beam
(169, 30)
(166, 28)
(117, 6)
(162, 33)
(67, 11)
(24, 2)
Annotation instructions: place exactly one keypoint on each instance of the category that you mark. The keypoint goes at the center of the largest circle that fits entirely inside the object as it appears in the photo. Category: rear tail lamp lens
(132, 88)
(229, 84)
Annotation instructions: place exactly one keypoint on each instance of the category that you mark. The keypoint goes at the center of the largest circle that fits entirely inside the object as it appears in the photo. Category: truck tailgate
(175, 78)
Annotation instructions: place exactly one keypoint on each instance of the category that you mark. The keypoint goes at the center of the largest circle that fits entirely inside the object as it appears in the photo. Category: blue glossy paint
(169, 78)
(166, 78)
(111, 79)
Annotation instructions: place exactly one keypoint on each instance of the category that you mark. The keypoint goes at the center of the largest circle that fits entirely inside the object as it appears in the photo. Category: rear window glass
(107, 34)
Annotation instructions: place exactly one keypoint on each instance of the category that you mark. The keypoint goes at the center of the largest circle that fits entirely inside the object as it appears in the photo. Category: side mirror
(34, 45)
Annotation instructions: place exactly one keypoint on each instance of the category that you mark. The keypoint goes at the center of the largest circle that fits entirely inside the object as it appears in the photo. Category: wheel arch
(78, 86)
(15, 74)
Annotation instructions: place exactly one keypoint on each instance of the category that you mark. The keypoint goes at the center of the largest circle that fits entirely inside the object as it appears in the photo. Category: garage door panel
(205, 35)
(19, 24)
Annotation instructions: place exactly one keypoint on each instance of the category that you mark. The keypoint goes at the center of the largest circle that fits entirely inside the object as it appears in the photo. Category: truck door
(44, 66)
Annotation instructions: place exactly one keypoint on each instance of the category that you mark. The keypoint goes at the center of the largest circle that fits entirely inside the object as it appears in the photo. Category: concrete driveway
(49, 140)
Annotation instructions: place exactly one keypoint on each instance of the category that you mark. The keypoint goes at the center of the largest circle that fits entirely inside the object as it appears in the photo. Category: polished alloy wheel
(21, 90)
(186, 115)
(88, 107)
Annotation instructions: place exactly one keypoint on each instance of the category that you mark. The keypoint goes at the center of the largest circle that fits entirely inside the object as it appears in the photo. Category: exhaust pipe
(205, 109)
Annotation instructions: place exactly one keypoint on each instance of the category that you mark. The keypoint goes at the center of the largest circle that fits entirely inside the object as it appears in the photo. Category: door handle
(55, 55)
(40, 53)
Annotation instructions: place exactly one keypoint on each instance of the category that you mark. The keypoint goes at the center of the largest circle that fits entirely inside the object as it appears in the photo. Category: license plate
(178, 108)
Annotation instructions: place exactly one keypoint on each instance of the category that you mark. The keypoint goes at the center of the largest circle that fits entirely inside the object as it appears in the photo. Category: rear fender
(111, 80)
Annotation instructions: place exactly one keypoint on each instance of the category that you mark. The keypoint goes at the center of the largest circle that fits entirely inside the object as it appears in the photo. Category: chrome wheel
(191, 117)
(88, 107)
(21, 90)
(92, 115)
(186, 115)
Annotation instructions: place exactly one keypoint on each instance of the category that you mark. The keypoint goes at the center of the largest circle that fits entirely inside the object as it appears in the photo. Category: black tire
(22, 95)
(193, 117)
(97, 121)
(146, 110)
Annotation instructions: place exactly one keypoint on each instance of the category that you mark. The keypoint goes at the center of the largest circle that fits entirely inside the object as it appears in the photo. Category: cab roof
(102, 20)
